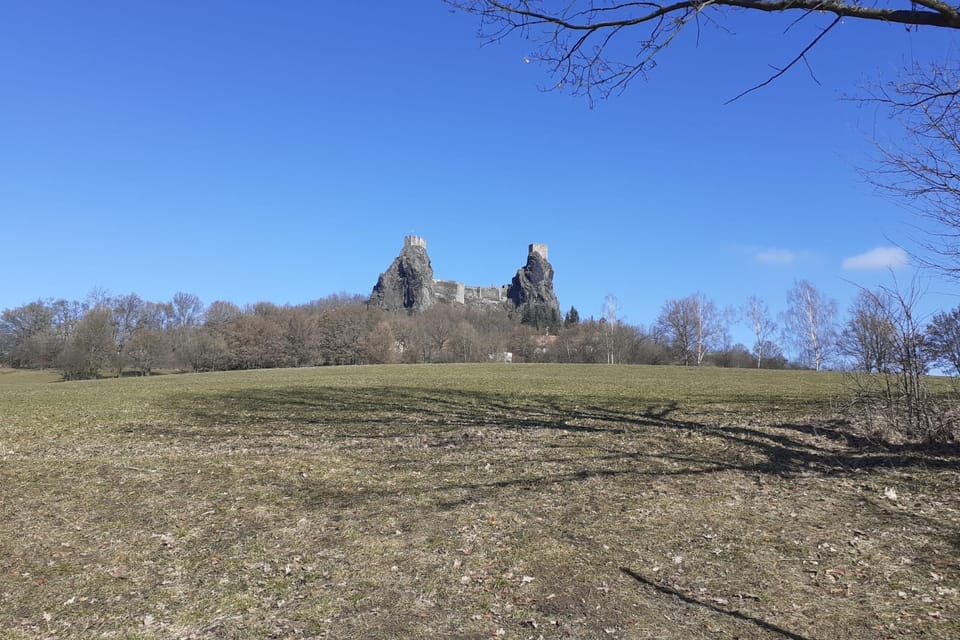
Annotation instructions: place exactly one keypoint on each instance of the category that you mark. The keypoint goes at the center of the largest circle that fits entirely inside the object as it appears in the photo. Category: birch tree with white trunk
(809, 324)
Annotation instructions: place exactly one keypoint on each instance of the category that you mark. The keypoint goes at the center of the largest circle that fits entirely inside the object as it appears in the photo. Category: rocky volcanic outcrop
(531, 290)
(408, 281)
(408, 284)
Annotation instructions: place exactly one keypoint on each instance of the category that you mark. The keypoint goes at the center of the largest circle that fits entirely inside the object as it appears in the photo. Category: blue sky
(280, 151)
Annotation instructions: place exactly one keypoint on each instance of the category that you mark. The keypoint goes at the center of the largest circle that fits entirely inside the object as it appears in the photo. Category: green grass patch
(475, 501)
(19, 377)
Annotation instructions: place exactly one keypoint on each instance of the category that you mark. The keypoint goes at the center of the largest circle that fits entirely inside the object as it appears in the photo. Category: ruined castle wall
(452, 291)
(449, 291)
(485, 295)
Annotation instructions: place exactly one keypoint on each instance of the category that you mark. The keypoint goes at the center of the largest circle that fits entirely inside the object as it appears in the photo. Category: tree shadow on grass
(440, 417)
(566, 440)
(688, 599)
(419, 449)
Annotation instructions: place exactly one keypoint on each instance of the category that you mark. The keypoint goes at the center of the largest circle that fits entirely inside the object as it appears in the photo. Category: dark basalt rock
(531, 290)
(408, 284)
(408, 281)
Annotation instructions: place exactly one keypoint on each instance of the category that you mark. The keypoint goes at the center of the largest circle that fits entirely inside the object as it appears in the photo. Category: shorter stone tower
(540, 249)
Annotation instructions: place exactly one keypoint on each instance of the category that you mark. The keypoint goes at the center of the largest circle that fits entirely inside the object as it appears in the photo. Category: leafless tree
(923, 167)
(380, 345)
(773, 357)
(438, 325)
(465, 341)
(342, 332)
(407, 337)
(220, 312)
(709, 324)
(187, 309)
(341, 299)
(611, 322)
(735, 356)
(156, 315)
(677, 327)
(923, 417)
(597, 47)
(756, 313)
(66, 315)
(898, 398)
(300, 326)
(869, 336)
(256, 342)
(145, 348)
(206, 350)
(91, 347)
(126, 316)
(26, 335)
(942, 341)
(809, 324)
(692, 326)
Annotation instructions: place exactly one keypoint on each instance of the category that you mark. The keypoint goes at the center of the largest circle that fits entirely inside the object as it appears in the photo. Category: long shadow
(763, 624)
(403, 412)
(607, 439)
(438, 418)
(576, 440)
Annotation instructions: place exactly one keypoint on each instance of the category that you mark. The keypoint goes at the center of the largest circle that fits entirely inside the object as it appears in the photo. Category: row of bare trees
(128, 334)
(697, 332)
(881, 334)
(85, 338)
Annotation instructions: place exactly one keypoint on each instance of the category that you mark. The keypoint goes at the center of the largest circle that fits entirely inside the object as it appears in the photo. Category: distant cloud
(775, 256)
(879, 258)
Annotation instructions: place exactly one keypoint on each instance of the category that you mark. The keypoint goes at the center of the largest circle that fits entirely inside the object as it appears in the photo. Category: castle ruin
(540, 249)
(408, 284)
(414, 241)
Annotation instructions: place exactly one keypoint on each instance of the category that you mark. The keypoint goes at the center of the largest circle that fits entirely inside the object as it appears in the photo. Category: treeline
(114, 335)
(882, 332)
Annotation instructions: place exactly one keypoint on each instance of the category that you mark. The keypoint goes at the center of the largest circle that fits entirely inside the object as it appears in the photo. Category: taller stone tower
(408, 281)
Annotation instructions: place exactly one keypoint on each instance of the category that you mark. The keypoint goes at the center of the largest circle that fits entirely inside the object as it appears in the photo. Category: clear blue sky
(252, 151)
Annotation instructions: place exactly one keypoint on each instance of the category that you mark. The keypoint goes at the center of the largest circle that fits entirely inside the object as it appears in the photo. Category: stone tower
(531, 290)
(408, 281)
(414, 241)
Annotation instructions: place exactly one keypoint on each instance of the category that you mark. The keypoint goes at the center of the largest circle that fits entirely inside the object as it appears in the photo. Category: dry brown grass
(467, 502)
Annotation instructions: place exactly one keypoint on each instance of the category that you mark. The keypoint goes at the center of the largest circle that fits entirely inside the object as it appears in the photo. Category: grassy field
(500, 501)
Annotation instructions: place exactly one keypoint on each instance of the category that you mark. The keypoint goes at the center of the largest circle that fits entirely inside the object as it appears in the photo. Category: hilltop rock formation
(408, 281)
(531, 290)
(408, 284)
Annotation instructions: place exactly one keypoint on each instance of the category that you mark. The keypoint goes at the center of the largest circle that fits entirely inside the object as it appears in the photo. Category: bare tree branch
(597, 47)
(800, 56)
(586, 46)
(923, 170)
(941, 15)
